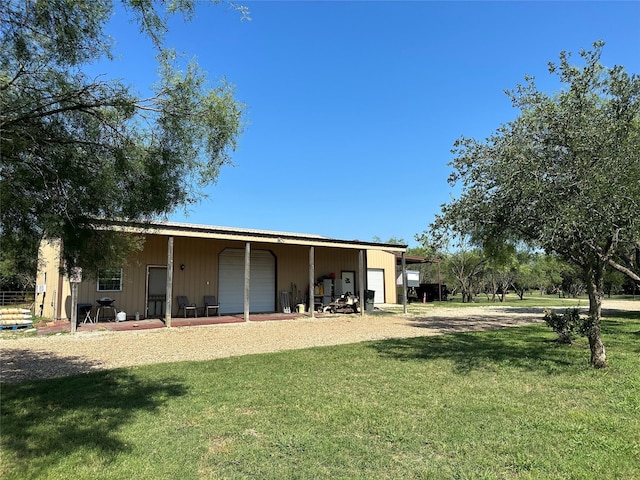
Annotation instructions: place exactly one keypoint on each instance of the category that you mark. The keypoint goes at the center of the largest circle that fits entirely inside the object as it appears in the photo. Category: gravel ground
(62, 355)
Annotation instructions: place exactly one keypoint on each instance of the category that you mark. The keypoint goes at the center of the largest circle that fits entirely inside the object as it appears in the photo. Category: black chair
(210, 303)
(185, 306)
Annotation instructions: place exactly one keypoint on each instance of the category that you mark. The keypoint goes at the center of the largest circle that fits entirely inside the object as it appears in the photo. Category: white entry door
(262, 294)
(375, 282)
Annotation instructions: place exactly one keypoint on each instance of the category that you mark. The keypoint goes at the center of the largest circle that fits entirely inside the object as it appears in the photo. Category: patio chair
(210, 303)
(185, 306)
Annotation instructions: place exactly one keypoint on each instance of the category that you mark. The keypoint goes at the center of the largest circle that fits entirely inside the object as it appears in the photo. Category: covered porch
(250, 273)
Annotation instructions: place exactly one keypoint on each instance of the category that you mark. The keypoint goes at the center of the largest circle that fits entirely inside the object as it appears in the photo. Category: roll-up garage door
(262, 294)
(375, 282)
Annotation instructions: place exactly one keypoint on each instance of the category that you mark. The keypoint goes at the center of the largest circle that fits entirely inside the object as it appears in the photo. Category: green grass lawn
(509, 404)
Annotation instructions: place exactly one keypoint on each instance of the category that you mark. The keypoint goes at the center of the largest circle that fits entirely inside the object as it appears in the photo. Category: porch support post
(57, 295)
(169, 291)
(439, 283)
(247, 279)
(312, 276)
(361, 272)
(74, 306)
(404, 283)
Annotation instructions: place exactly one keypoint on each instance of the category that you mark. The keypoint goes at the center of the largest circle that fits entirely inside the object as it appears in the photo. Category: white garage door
(262, 294)
(375, 282)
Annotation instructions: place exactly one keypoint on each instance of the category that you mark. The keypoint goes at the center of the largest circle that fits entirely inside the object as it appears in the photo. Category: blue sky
(353, 107)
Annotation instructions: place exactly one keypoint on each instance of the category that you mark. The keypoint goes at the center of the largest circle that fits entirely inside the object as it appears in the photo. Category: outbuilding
(248, 271)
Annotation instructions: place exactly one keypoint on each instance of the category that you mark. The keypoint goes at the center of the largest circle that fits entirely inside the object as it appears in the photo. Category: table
(84, 312)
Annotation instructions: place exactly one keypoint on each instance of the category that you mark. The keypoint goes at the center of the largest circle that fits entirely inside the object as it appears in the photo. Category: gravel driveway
(61, 355)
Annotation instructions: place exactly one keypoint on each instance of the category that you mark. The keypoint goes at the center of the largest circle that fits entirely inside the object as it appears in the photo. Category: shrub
(564, 325)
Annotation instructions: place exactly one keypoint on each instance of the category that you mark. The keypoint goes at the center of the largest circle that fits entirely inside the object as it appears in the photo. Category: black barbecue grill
(105, 303)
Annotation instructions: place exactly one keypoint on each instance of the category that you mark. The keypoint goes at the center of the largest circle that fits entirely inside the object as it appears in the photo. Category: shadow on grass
(619, 314)
(621, 329)
(531, 347)
(45, 421)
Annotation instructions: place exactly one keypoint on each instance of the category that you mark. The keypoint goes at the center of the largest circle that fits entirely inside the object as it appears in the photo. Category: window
(110, 279)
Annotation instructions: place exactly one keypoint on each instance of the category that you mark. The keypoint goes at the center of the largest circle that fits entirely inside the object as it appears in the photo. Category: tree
(77, 149)
(563, 176)
(629, 261)
(466, 267)
(524, 275)
(546, 271)
(614, 282)
(18, 263)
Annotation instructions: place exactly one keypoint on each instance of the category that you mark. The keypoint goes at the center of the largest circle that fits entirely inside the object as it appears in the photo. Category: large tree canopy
(564, 176)
(76, 148)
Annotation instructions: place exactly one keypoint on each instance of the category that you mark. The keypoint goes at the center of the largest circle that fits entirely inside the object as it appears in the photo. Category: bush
(564, 325)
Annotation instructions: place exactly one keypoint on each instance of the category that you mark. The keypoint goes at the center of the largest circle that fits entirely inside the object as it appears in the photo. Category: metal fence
(16, 298)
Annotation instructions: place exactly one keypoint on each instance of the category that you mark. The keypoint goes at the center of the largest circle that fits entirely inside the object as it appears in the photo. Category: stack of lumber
(12, 317)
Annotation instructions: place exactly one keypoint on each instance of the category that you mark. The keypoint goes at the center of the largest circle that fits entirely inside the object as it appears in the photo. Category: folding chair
(185, 306)
(210, 303)
(84, 313)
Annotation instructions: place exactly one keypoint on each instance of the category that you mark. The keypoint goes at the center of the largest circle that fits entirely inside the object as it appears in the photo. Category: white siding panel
(231, 281)
(262, 296)
(375, 282)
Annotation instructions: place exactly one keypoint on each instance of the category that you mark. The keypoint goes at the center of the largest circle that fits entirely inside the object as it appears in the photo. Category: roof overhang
(245, 235)
(415, 259)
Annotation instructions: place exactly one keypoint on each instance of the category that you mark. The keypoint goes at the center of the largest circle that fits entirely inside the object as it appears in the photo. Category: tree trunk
(598, 354)
(595, 284)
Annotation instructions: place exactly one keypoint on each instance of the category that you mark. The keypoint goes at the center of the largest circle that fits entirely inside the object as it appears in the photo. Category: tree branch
(627, 271)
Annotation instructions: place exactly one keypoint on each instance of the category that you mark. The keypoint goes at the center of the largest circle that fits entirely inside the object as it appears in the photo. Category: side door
(156, 301)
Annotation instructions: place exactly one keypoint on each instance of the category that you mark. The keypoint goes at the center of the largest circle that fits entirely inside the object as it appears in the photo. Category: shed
(246, 269)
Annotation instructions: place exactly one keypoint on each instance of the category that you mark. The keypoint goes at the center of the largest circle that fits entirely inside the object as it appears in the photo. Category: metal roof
(414, 259)
(246, 234)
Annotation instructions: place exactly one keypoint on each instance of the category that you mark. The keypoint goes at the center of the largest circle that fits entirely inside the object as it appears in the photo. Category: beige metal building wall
(292, 265)
(200, 274)
(387, 262)
(199, 251)
(52, 289)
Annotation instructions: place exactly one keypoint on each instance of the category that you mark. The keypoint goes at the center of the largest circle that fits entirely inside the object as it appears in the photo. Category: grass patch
(509, 404)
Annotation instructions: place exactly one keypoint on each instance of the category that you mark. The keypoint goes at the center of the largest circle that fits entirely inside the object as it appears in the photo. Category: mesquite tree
(564, 176)
(75, 147)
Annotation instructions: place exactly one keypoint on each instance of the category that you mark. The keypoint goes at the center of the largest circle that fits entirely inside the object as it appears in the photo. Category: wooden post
(75, 278)
(74, 306)
(405, 283)
(439, 284)
(169, 291)
(312, 277)
(361, 267)
(247, 279)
